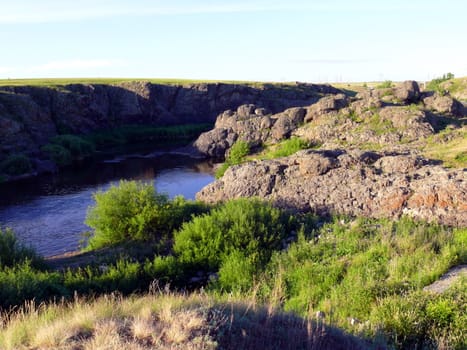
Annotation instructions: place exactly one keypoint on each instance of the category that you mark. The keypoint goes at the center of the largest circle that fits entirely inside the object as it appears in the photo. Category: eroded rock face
(30, 116)
(354, 182)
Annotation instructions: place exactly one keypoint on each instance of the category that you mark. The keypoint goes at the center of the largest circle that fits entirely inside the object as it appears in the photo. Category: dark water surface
(48, 212)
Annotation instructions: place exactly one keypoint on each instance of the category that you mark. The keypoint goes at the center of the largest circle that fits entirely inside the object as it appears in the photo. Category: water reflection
(48, 212)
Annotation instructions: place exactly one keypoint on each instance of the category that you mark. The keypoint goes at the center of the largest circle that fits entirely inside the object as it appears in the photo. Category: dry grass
(164, 321)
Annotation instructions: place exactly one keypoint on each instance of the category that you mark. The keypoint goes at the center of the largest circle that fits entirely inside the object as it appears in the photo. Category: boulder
(326, 105)
(407, 92)
(286, 122)
(443, 104)
(216, 142)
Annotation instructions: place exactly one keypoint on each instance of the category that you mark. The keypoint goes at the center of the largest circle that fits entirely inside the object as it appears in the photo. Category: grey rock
(408, 92)
(346, 183)
(286, 122)
(326, 105)
(443, 104)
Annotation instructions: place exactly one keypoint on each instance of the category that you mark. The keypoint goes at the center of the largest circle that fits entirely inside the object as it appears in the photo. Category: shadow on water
(48, 212)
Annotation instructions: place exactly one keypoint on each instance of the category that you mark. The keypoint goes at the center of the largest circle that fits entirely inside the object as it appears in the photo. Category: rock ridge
(351, 182)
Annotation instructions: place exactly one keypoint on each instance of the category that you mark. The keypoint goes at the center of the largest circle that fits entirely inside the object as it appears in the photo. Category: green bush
(237, 154)
(129, 211)
(236, 272)
(16, 164)
(387, 84)
(76, 145)
(12, 252)
(134, 211)
(58, 154)
(23, 282)
(250, 226)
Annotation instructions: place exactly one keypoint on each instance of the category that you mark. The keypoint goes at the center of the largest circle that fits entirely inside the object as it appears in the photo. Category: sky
(256, 40)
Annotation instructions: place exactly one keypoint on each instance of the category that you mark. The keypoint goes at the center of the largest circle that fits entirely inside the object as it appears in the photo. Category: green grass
(59, 82)
(286, 148)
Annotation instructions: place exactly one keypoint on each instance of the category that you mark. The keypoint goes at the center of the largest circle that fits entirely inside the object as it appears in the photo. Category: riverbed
(48, 212)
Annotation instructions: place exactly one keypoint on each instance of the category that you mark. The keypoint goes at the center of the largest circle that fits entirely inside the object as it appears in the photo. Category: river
(48, 212)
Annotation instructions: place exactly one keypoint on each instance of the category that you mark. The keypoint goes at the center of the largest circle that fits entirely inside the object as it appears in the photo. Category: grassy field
(55, 82)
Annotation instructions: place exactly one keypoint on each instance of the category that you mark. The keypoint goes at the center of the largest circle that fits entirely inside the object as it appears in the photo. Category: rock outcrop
(350, 182)
(248, 123)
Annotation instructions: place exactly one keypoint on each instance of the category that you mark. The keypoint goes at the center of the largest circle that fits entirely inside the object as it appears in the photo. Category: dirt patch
(446, 280)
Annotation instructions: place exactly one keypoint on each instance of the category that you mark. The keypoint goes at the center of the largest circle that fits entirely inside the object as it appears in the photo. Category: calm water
(48, 212)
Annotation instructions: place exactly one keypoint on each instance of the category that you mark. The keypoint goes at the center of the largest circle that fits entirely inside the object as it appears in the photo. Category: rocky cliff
(30, 116)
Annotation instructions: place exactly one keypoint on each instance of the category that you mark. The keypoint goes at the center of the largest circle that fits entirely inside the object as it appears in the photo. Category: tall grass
(165, 321)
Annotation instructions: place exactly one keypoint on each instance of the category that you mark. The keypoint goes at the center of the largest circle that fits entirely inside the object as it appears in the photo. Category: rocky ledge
(350, 182)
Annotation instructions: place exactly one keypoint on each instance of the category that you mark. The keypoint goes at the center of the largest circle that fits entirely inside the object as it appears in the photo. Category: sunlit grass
(57, 82)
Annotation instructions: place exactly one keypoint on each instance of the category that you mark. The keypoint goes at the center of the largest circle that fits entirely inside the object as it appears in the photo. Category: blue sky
(264, 40)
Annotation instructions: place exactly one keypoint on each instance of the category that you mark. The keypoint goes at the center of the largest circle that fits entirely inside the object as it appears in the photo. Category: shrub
(236, 272)
(58, 154)
(237, 154)
(16, 164)
(12, 252)
(249, 226)
(128, 211)
(134, 211)
(22, 282)
(77, 146)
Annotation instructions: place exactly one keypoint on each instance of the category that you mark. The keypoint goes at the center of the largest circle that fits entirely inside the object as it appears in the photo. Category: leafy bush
(236, 272)
(58, 154)
(76, 145)
(12, 252)
(124, 212)
(134, 211)
(16, 164)
(250, 226)
(237, 154)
